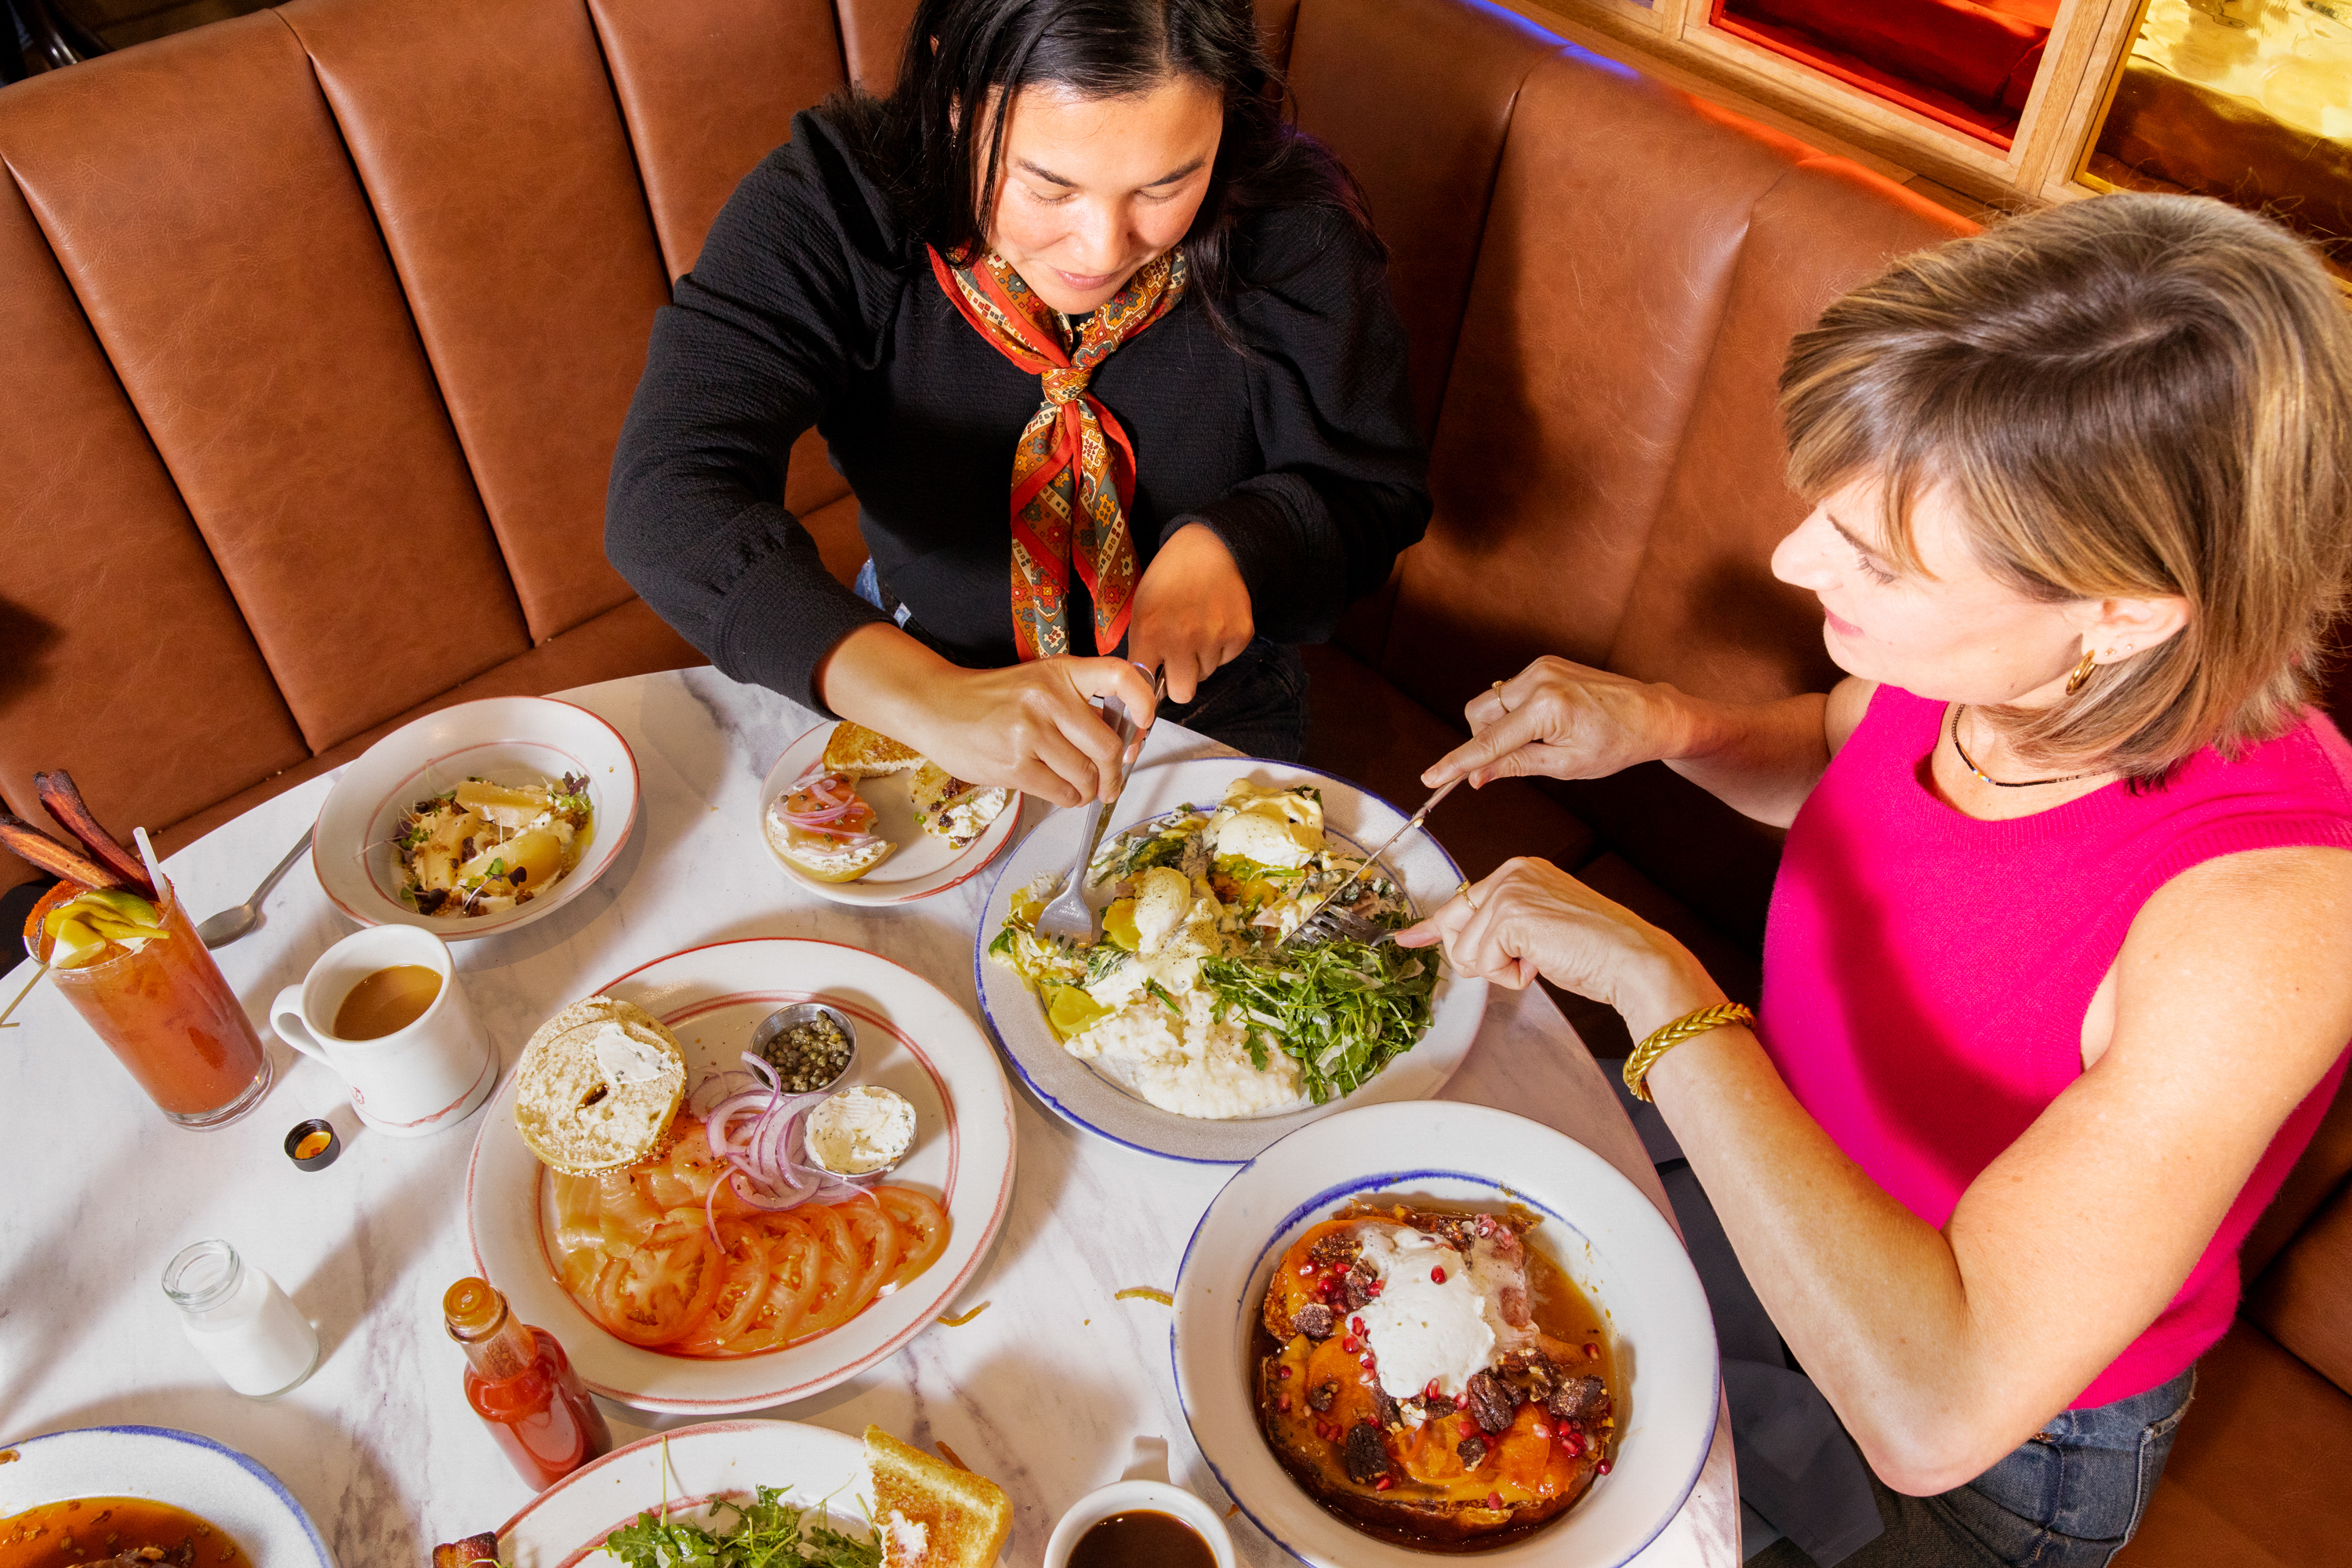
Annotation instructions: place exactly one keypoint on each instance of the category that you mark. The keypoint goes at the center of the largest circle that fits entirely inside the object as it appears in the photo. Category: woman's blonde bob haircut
(2129, 396)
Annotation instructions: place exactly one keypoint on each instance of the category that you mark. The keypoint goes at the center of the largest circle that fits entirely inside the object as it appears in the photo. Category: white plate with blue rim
(233, 1492)
(1080, 1095)
(1597, 1226)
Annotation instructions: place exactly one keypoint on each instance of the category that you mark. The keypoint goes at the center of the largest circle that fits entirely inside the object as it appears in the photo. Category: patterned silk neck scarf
(1074, 469)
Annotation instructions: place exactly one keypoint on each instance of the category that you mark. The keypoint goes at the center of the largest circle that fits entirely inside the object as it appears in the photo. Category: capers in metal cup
(811, 1046)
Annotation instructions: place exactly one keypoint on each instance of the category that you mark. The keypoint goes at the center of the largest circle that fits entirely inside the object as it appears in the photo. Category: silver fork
(1326, 921)
(1070, 915)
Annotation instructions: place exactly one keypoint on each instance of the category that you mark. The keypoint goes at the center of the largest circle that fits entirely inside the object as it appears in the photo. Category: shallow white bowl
(506, 740)
(1597, 1228)
(911, 1037)
(567, 1523)
(210, 1479)
(923, 864)
(1083, 1097)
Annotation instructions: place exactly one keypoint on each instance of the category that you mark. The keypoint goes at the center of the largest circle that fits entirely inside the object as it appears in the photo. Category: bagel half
(572, 1110)
(858, 752)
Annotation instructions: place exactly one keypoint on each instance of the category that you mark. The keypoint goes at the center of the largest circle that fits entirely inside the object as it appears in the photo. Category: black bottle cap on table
(320, 1157)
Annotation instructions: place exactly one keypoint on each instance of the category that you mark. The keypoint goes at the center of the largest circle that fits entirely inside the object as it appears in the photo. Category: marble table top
(380, 1445)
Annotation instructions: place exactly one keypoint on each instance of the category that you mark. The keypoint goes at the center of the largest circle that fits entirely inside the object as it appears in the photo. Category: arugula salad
(768, 1532)
(1187, 1002)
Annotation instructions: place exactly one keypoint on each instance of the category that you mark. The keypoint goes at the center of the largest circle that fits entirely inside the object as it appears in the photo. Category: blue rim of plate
(1368, 1183)
(988, 1018)
(252, 1466)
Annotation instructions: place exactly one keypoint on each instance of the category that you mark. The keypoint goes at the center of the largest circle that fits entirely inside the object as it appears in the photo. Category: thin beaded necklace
(2003, 783)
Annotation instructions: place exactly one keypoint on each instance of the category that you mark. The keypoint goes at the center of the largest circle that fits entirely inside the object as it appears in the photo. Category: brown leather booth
(319, 326)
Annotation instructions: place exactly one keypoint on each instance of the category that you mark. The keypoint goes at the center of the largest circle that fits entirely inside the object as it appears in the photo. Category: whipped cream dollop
(1422, 1327)
(623, 1058)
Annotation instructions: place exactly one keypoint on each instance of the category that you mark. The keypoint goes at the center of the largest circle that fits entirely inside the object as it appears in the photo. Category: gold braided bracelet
(1645, 1055)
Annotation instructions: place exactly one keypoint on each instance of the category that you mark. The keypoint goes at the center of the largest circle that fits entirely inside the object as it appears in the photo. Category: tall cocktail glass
(165, 1011)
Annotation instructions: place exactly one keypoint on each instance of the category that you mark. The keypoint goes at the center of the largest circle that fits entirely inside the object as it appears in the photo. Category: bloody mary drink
(160, 1004)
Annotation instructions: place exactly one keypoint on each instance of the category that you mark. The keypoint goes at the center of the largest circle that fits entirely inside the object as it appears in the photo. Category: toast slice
(858, 752)
(951, 809)
(931, 1514)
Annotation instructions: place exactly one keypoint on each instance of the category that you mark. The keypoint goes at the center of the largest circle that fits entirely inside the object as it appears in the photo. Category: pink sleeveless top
(1925, 974)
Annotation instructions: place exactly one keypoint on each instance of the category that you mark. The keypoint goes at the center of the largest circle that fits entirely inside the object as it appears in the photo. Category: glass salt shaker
(255, 1336)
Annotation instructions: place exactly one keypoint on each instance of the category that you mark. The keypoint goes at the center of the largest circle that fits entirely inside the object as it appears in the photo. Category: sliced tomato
(742, 1292)
(663, 1290)
(794, 1276)
(876, 1234)
(841, 1266)
(923, 1230)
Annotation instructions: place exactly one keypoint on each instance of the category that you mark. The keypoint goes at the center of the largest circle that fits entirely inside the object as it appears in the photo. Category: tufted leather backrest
(323, 323)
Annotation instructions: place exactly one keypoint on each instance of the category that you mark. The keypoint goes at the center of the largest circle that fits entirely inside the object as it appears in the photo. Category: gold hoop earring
(2081, 675)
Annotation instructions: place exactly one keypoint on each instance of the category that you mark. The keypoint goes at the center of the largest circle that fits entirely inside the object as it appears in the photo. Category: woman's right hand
(1563, 720)
(1034, 727)
(1030, 727)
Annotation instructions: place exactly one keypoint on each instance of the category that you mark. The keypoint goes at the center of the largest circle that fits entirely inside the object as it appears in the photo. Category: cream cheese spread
(860, 1130)
(623, 1058)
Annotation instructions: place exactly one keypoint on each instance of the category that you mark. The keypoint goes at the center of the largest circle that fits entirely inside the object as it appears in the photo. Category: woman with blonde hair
(2058, 971)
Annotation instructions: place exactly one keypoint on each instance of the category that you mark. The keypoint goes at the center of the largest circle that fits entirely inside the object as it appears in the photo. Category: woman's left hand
(1530, 918)
(1192, 611)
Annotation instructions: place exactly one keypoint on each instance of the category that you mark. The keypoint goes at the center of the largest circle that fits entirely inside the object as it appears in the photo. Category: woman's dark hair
(960, 51)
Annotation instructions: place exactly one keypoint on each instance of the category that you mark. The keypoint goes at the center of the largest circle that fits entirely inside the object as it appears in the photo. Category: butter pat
(860, 1130)
(623, 1058)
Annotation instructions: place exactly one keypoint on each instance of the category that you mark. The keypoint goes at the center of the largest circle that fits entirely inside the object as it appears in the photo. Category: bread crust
(570, 1114)
(860, 753)
(965, 1517)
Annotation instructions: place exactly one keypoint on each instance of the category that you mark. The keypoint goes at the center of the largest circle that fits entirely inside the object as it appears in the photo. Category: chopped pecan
(1579, 1399)
(1314, 1320)
(1319, 1397)
(1490, 1402)
(1365, 1457)
(1473, 1451)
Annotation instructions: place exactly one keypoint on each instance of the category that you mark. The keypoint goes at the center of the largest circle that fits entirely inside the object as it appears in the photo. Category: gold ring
(1463, 893)
(1497, 690)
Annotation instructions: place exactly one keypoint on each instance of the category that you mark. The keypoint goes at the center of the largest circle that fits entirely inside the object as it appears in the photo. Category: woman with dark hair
(1103, 347)
(2058, 970)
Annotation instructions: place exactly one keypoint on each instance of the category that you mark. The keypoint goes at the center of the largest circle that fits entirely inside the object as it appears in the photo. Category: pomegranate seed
(1574, 1440)
(1539, 1429)
(1438, 1274)
(1350, 1344)
(1283, 1371)
(1591, 1352)
(1374, 1289)
(1494, 1500)
(1384, 1483)
(1283, 1404)
(1431, 1391)
(1469, 1427)
(1370, 1361)
(1602, 1468)
(1357, 1324)
(1306, 1269)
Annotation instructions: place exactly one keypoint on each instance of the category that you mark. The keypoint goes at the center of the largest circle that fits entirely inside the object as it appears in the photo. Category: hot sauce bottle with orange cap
(521, 1384)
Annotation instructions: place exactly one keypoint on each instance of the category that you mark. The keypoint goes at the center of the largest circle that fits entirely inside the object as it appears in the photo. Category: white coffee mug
(427, 1075)
(1139, 1497)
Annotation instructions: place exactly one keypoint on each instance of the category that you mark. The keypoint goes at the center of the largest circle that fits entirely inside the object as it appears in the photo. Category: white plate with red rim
(1597, 1228)
(688, 1470)
(506, 740)
(923, 864)
(1358, 820)
(911, 1037)
(232, 1492)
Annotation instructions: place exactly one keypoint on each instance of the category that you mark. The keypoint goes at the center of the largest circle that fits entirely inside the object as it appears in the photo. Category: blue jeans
(2069, 1497)
(1256, 704)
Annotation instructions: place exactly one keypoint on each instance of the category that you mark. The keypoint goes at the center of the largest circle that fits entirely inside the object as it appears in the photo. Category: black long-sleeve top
(809, 305)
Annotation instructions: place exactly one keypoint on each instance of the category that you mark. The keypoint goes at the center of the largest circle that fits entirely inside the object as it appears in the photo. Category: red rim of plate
(1013, 809)
(637, 790)
(889, 1348)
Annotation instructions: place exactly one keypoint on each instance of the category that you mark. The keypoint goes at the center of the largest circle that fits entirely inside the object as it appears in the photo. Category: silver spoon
(230, 924)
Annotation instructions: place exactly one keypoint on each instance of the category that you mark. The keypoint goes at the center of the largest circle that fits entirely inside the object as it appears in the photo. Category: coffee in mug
(384, 1009)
